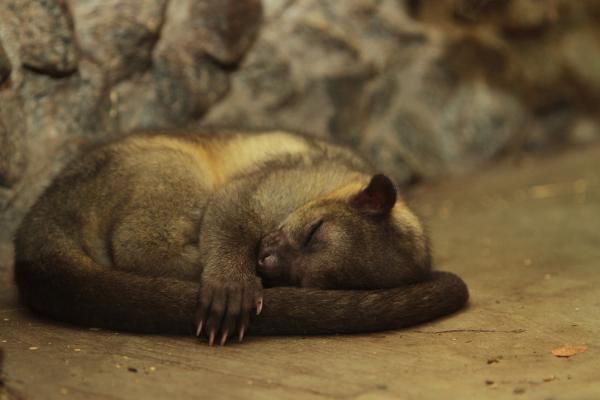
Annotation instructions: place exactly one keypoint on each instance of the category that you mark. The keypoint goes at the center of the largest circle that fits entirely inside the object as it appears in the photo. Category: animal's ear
(378, 198)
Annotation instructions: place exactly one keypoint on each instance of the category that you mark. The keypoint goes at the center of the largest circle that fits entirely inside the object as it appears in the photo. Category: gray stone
(45, 31)
(59, 109)
(5, 67)
(196, 39)
(305, 45)
(329, 68)
(187, 86)
(135, 105)
(347, 96)
(477, 123)
(422, 99)
(13, 153)
(529, 15)
(51, 121)
(119, 34)
(223, 29)
(551, 126)
(436, 125)
(581, 52)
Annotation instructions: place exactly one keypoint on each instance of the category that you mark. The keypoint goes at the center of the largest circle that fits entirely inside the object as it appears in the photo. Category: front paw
(225, 307)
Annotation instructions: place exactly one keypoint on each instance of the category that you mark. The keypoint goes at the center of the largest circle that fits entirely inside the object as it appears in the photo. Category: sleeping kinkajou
(178, 231)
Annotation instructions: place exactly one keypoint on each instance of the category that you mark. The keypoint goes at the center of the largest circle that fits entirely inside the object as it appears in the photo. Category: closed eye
(314, 228)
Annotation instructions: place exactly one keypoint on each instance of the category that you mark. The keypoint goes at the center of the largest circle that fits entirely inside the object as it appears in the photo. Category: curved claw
(224, 338)
(259, 305)
(227, 308)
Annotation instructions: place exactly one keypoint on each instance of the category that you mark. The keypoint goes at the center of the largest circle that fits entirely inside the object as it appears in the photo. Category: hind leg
(158, 237)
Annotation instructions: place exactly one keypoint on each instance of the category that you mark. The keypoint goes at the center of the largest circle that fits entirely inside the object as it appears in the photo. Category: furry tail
(72, 288)
(313, 311)
(106, 298)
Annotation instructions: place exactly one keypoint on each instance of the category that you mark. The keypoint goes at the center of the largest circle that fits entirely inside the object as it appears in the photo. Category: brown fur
(158, 232)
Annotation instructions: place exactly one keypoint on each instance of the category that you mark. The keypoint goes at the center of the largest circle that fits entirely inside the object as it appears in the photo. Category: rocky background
(426, 88)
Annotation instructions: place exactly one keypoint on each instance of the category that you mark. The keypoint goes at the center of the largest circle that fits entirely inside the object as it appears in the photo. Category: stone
(57, 110)
(478, 122)
(49, 123)
(135, 105)
(581, 52)
(285, 71)
(223, 29)
(529, 16)
(469, 11)
(186, 86)
(45, 32)
(5, 67)
(437, 125)
(13, 153)
(284, 80)
(197, 39)
(119, 34)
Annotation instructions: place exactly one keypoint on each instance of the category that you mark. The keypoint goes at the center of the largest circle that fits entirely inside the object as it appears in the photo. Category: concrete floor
(525, 238)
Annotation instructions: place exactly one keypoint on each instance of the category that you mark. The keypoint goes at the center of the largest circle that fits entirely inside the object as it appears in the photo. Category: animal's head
(348, 238)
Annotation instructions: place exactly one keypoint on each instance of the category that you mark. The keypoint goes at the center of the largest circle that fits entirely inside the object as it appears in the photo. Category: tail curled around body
(72, 288)
(315, 311)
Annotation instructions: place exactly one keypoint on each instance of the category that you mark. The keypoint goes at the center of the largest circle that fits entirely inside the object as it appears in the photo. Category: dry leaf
(568, 351)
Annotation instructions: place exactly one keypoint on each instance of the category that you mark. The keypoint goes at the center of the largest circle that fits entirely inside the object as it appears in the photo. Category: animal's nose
(268, 260)
(269, 253)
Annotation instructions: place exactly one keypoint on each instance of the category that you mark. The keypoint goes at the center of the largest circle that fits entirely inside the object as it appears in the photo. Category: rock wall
(424, 87)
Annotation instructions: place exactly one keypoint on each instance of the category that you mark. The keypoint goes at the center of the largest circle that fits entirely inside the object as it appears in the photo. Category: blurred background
(425, 88)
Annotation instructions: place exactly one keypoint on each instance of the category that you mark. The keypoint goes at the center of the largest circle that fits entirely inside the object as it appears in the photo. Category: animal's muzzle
(270, 255)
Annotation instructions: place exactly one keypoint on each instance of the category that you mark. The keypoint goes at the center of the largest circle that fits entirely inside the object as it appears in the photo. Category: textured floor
(526, 239)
